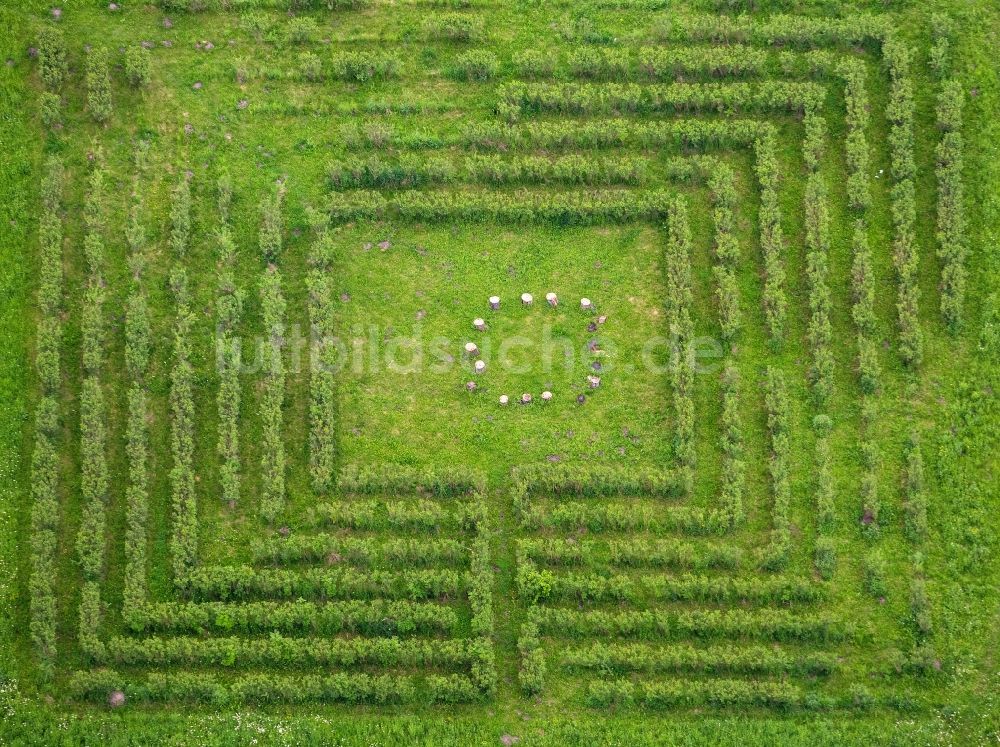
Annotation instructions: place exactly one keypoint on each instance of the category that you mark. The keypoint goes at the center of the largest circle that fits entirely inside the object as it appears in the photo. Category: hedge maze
(773, 560)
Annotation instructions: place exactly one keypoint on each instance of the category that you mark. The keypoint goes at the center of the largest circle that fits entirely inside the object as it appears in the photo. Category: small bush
(476, 64)
(138, 66)
(874, 571)
(303, 30)
(52, 58)
(50, 105)
(99, 84)
(454, 27)
(364, 66)
(533, 63)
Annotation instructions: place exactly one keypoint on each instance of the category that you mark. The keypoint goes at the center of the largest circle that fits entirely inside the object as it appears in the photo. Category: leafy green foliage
(99, 84)
(138, 66)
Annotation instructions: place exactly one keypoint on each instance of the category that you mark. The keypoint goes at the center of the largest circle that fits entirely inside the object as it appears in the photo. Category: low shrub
(138, 66)
(52, 63)
(475, 65)
(99, 84)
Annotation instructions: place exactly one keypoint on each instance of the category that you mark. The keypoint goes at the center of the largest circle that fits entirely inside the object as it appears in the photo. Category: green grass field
(253, 491)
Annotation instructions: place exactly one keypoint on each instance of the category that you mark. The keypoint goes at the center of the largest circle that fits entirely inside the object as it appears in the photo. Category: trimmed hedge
(361, 551)
(593, 481)
(228, 311)
(272, 396)
(230, 583)
(94, 478)
(733, 466)
(45, 456)
(952, 233)
(625, 517)
(717, 693)
(630, 553)
(522, 206)
(184, 509)
(775, 555)
(99, 84)
(656, 624)
(289, 652)
(722, 183)
(257, 689)
(900, 113)
(137, 345)
(377, 617)
(820, 331)
(623, 658)
(537, 586)
(323, 363)
(532, 668)
(400, 478)
(681, 330)
(771, 238)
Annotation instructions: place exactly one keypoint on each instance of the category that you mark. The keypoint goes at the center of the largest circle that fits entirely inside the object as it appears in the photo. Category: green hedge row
(519, 98)
(920, 604)
(915, 494)
(359, 66)
(608, 132)
(630, 553)
(772, 239)
(820, 330)
(679, 302)
(373, 617)
(906, 255)
(361, 551)
(823, 63)
(537, 586)
(722, 184)
(482, 624)
(825, 558)
(532, 667)
(780, 29)
(99, 84)
(521, 206)
(863, 310)
(53, 68)
(952, 233)
(400, 478)
(593, 481)
(412, 170)
(281, 651)
(380, 515)
(138, 66)
(272, 392)
(227, 583)
(454, 27)
(715, 693)
(871, 502)
(654, 63)
(320, 283)
(94, 476)
(733, 465)
(45, 457)
(625, 517)
(624, 658)
(231, 6)
(604, 133)
(775, 554)
(184, 509)
(138, 336)
(762, 624)
(229, 299)
(264, 689)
